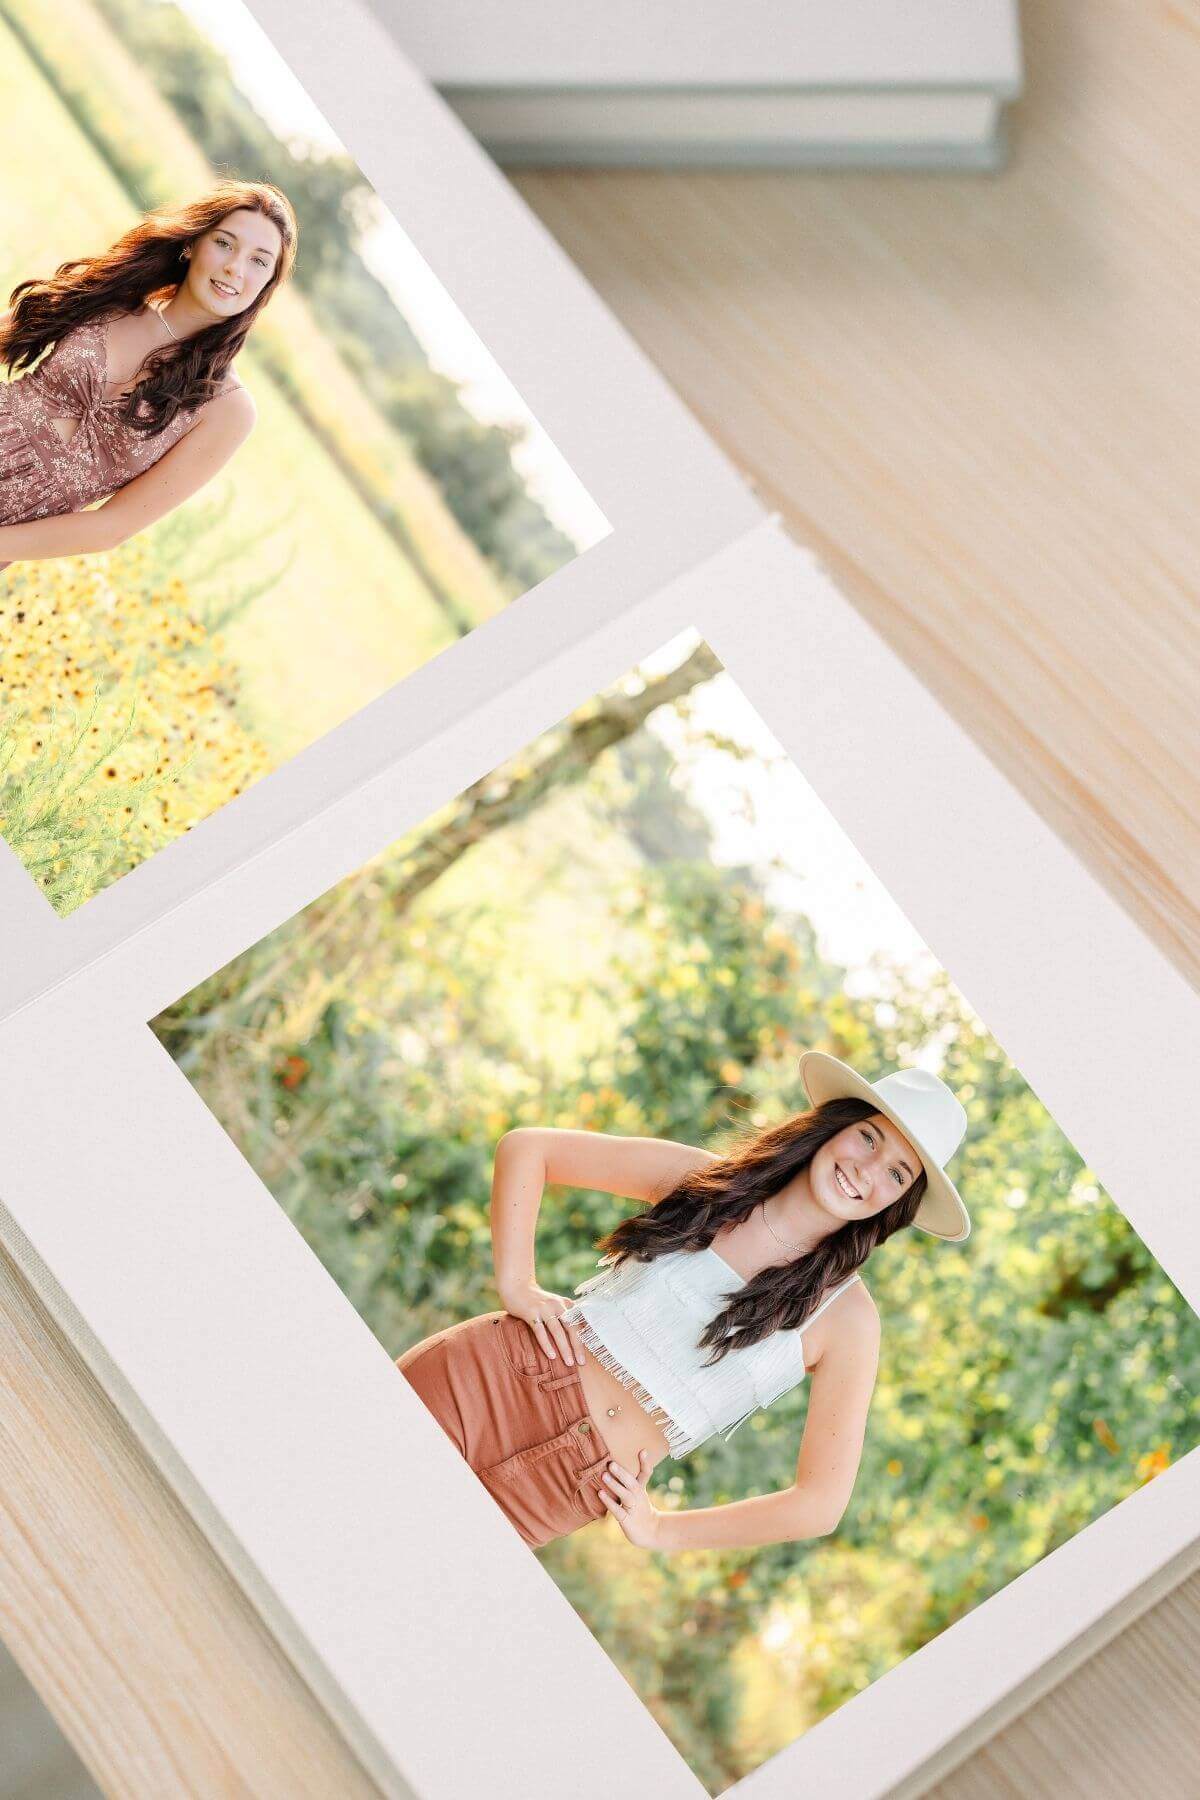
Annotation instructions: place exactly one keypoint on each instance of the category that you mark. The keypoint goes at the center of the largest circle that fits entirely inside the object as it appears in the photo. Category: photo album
(622, 1174)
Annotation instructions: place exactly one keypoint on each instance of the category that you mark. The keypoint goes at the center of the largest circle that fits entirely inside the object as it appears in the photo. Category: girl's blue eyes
(260, 260)
(871, 1141)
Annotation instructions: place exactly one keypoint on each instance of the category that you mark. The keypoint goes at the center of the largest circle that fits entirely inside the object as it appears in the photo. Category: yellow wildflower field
(120, 726)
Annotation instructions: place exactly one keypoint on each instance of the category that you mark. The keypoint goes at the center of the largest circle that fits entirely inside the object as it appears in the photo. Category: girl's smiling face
(232, 262)
(863, 1169)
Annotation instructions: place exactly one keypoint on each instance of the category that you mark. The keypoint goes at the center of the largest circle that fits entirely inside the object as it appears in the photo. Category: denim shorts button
(585, 1425)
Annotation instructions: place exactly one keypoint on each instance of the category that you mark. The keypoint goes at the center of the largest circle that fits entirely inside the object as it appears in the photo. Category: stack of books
(828, 84)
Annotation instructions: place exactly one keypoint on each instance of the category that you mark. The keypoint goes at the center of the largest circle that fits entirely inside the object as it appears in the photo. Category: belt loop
(592, 1468)
(547, 1380)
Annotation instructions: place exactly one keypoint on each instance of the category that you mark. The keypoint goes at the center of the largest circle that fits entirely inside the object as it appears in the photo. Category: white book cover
(766, 44)
(475, 764)
(765, 84)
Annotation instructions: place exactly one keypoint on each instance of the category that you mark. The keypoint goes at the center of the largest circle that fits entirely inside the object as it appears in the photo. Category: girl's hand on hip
(626, 1498)
(543, 1312)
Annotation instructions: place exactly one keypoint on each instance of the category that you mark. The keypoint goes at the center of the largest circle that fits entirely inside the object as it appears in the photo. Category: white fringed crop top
(643, 1322)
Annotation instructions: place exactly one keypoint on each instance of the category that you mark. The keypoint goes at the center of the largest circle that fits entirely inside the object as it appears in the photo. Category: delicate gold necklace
(781, 1241)
(162, 315)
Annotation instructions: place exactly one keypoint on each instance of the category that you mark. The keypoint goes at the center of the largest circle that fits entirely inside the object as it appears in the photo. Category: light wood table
(978, 399)
(119, 1610)
(975, 396)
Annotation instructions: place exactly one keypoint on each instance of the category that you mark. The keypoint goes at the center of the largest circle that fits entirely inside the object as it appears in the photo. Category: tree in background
(366, 1058)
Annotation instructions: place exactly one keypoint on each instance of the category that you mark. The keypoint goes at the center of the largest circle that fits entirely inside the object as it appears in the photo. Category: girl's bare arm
(174, 478)
(842, 1382)
(531, 1158)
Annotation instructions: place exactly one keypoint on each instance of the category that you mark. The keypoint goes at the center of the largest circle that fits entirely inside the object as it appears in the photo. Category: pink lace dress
(43, 474)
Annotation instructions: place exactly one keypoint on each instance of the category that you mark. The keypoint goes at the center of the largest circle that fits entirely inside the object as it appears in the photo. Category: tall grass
(121, 721)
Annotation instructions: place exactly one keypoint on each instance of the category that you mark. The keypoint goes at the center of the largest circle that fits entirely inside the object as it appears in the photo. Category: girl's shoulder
(851, 1321)
(231, 408)
(87, 340)
(859, 1303)
(232, 386)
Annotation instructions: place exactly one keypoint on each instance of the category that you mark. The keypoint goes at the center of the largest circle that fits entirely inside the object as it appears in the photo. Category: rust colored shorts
(517, 1417)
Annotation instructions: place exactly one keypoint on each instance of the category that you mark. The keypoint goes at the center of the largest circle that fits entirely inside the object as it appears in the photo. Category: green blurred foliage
(1030, 1380)
(334, 204)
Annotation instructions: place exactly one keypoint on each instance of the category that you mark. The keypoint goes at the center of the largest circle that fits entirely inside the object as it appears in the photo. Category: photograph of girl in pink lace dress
(136, 403)
(256, 464)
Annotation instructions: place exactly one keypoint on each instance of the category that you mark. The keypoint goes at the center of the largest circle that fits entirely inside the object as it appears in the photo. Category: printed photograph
(255, 465)
(692, 1198)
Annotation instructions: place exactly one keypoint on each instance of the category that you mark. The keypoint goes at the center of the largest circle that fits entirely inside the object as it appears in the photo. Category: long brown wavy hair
(148, 264)
(778, 1298)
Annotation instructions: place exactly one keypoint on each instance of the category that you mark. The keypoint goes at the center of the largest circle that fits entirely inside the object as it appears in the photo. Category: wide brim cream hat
(930, 1115)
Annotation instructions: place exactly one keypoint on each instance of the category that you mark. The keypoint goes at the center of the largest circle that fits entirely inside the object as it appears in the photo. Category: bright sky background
(763, 811)
(451, 345)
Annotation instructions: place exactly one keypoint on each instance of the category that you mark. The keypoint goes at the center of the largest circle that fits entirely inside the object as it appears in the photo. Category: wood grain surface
(1125, 1723)
(158, 1670)
(975, 397)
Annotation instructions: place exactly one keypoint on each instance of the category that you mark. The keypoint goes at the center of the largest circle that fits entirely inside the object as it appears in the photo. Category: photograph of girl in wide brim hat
(122, 387)
(715, 1301)
(635, 994)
